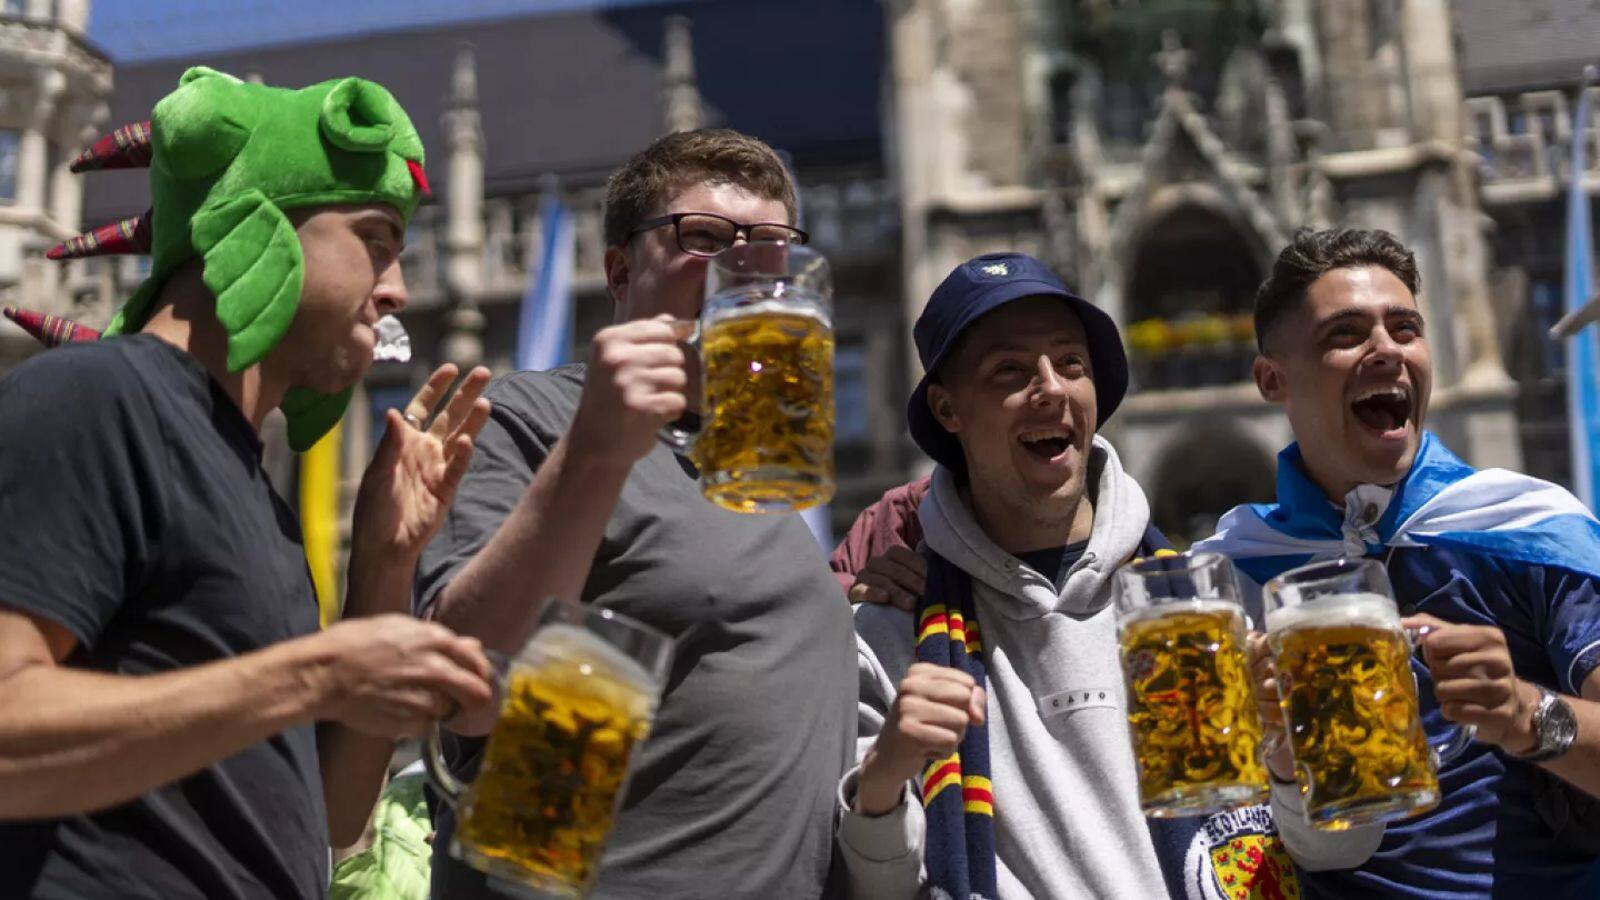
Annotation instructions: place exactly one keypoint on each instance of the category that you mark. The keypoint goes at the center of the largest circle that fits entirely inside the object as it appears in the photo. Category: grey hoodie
(1067, 816)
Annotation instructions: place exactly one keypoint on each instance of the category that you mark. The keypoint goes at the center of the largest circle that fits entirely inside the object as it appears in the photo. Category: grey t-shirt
(733, 791)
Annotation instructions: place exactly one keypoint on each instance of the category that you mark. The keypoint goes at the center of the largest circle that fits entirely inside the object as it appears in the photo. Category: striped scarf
(956, 792)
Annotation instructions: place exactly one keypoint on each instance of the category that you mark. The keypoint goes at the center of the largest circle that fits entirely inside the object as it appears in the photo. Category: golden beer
(768, 441)
(556, 762)
(1192, 709)
(1349, 700)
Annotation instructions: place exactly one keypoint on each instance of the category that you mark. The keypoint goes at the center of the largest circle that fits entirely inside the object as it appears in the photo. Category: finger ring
(411, 420)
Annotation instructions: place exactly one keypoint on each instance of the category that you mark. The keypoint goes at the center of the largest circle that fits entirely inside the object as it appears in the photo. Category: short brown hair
(685, 158)
(1313, 254)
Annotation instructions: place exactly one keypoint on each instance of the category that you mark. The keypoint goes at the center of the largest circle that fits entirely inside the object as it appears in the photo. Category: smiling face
(1352, 369)
(1018, 394)
(352, 278)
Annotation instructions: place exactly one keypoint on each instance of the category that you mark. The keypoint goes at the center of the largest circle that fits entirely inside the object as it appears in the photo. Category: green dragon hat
(226, 159)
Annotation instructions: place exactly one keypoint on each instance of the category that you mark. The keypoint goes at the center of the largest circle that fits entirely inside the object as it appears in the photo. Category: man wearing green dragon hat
(172, 722)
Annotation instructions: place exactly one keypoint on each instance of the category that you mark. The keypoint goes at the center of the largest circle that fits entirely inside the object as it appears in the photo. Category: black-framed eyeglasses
(707, 234)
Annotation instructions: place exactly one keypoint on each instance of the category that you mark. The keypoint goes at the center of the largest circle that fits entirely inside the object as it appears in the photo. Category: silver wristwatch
(1554, 726)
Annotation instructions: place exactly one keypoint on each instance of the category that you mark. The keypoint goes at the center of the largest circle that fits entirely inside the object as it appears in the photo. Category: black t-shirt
(135, 514)
(1054, 562)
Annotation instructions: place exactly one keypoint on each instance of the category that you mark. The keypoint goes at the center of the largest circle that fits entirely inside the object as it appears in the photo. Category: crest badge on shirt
(1238, 855)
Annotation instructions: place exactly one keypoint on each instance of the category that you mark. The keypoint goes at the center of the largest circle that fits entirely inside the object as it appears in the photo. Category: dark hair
(685, 158)
(1313, 254)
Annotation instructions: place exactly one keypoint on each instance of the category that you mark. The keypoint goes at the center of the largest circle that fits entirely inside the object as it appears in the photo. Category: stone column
(73, 15)
(32, 150)
(680, 94)
(463, 245)
(921, 142)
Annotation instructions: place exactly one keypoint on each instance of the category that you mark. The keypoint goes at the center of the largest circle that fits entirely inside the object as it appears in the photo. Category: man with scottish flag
(993, 750)
(1503, 567)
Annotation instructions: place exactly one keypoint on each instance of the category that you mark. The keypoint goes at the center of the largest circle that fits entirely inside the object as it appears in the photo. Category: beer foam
(575, 643)
(805, 304)
(1364, 609)
(1167, 607)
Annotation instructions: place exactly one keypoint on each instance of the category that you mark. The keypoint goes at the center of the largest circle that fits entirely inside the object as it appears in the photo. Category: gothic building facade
(1157, 152)
(1160, 153)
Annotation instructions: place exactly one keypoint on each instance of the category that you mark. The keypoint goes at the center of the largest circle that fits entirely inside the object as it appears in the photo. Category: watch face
(1560, 726)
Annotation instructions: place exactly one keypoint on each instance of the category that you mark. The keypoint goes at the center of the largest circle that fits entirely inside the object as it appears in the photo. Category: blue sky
(132, 30)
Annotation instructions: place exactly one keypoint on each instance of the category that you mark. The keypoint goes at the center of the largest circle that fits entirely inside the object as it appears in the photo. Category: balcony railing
(1524, 142)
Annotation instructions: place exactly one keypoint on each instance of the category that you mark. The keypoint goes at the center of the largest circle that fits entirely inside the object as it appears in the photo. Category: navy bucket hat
(978, 287)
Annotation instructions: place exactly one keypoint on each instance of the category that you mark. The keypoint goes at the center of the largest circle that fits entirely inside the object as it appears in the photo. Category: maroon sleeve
(892, 521)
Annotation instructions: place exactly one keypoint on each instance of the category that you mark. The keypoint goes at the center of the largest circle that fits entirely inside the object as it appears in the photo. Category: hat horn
(50, 330)
(126, 148)
(129, 236)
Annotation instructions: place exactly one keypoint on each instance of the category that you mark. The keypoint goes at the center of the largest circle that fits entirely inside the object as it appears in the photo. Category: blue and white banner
(544, 327)
(820, 521)
(1583, 348)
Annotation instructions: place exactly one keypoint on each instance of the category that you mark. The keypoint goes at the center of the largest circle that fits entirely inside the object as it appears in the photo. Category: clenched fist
(931, 712)
(637, 383)
(1476, 684)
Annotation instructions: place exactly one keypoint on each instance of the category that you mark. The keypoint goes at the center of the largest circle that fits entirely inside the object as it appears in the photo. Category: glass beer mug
(1191, 702)
(764, 440)
(576, 702)
(1349, 696)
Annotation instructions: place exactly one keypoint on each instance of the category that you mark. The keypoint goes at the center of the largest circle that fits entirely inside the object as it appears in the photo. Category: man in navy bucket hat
(993, 757)
(978, 287)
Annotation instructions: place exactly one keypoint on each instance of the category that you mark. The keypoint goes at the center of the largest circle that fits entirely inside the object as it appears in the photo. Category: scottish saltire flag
(1442, 502)
(1583, 348)
(544, 327)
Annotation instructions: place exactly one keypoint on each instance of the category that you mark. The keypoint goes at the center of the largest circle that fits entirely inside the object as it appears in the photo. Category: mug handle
(681, 434)
(448, 785)
(1460, 737)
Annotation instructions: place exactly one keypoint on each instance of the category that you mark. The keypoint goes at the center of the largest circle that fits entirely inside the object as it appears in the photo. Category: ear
(1270, 379)
(943, 407)
(617, 275)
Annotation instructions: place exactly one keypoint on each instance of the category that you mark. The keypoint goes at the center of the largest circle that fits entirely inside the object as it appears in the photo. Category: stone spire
(463, 244)
(680, 97)
(1173, 60)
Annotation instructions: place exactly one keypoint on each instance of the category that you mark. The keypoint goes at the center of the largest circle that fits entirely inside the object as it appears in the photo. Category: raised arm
(546, 545)
(405, 492)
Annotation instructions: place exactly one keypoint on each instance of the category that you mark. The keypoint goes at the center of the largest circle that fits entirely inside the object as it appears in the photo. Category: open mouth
(1046, 443)
(1384, 409)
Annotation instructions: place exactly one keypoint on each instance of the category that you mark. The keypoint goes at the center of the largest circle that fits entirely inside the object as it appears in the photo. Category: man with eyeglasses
(570, 494)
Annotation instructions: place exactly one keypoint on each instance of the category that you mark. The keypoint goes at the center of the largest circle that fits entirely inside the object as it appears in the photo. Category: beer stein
(763, 441)
(1191, 702)
(575, 703)
(1349, 696)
